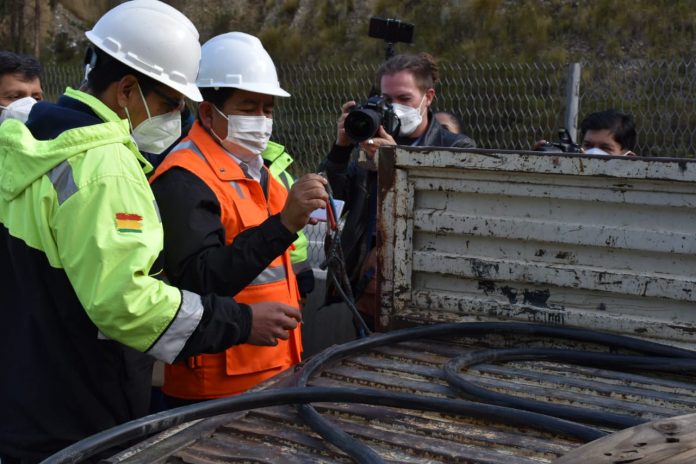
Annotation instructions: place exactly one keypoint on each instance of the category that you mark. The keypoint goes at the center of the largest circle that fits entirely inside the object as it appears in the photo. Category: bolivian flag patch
(131, 223)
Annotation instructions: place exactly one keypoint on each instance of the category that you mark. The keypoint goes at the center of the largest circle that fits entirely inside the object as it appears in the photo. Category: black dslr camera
(364, 120)
(564, 144)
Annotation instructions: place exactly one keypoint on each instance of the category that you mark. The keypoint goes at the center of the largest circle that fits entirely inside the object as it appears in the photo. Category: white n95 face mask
(18, 109)
(410, 117)
(595, 151)
(156, 134)
(250, 132)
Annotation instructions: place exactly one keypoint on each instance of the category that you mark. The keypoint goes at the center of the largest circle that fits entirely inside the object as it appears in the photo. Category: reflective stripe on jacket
(79, 233)
(243, 205)
(95, 217)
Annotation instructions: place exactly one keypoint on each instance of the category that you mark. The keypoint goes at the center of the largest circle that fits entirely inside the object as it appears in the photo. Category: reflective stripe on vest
(301, 266)
(270, 275)
(189, 145)
(236, 186)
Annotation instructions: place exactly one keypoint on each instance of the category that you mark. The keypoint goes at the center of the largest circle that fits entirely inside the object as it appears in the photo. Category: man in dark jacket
(83, 313)
(407, 82)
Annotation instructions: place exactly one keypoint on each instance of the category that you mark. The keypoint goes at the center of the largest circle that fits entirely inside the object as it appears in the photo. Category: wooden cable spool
(664, 441)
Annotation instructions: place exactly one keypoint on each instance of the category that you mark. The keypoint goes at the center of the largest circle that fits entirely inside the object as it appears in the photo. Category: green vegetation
(503, 61)
(297, 31)
(500, 31)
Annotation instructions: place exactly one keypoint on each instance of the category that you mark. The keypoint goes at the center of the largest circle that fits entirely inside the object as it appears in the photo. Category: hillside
(297, 31)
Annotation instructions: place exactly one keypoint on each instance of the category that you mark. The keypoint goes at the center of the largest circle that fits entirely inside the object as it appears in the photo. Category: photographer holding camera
(608, 132)
(407, 83)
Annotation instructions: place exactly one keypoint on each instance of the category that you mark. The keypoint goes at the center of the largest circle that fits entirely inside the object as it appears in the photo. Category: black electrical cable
(336, 268)
(157, 422)
(473, 329)
(349, 301)
(354, 448)
(154, 423)
(453, 368)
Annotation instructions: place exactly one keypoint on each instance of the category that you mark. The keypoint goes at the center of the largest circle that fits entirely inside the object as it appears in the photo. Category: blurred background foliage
(335, 31)
(503, 61)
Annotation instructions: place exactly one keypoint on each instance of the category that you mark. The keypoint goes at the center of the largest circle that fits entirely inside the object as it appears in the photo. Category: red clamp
(330, 214)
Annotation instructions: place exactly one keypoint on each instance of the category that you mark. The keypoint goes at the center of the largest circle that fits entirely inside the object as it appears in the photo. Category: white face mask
(18, 109)
(249, 132)
(410, 117)
(596, 151)
(156, 134)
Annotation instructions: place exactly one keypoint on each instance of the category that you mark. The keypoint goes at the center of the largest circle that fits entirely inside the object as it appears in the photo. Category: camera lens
(361, 124)
(550, 148)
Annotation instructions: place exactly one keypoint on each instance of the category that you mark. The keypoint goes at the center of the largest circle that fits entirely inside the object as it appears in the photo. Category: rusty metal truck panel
(599, 242)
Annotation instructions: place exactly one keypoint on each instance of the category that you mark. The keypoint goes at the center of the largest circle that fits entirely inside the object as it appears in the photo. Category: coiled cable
(303, 394)
(358, 450)
(154, 423)
(622, 363)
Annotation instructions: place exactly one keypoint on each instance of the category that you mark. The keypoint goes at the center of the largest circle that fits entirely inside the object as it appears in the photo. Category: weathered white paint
(598, 242)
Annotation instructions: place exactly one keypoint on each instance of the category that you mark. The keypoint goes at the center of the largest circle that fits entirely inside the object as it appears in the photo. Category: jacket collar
(276, 158)
(109, 116)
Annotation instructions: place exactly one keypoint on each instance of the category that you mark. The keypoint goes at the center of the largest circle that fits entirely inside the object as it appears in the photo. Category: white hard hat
(238, 60)
(154, 39)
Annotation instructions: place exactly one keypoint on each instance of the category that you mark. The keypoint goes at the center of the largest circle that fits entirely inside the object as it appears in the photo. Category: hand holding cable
(305, 195)
(271, 321)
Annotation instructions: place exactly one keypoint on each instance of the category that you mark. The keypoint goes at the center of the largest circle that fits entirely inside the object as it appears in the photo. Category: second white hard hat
(238, 60)
(154, 39)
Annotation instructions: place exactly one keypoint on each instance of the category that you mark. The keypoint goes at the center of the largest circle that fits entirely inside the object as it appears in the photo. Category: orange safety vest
(243, 205)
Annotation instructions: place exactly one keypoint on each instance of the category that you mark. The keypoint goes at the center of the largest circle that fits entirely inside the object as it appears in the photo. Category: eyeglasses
(176, 104)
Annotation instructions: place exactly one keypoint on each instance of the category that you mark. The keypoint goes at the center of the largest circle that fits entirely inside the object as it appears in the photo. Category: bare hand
(271, 321)
(342, 139)
(370, 146)
(305, 195)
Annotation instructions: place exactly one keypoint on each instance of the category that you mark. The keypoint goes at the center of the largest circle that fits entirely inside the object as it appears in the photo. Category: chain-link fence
(504, 105)
(500, 105)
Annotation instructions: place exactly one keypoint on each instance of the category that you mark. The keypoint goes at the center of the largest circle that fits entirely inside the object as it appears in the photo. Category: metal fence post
(572, 100)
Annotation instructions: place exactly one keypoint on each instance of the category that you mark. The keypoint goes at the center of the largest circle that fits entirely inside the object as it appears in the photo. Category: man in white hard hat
(229, 225)
(83, 313)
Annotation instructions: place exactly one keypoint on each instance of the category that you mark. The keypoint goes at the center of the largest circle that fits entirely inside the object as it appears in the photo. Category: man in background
(608, 132)
(407, 82)
(448, 121)
(20, 85)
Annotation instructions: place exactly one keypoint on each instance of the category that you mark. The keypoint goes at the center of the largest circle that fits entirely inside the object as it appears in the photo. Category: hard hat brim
(265, 89)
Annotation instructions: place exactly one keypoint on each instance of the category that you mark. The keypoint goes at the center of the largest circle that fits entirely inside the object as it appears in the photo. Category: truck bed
(279, 434)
